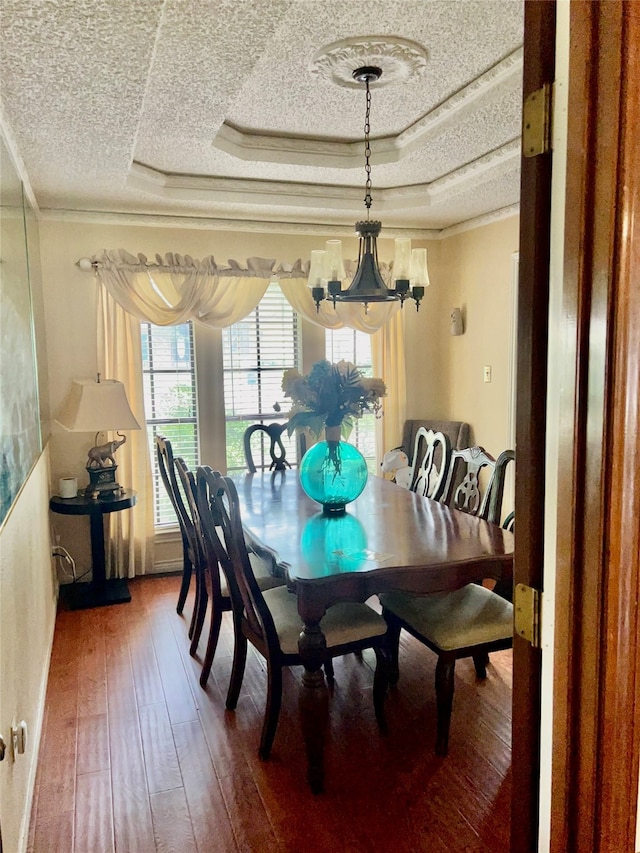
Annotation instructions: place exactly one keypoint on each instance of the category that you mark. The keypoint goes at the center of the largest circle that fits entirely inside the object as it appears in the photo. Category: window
(354, 346)
(247, 360)
(255, 353)
(168, 367)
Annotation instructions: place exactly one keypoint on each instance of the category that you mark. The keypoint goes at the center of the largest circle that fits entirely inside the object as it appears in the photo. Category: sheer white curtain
(176, 288)
(130, 545)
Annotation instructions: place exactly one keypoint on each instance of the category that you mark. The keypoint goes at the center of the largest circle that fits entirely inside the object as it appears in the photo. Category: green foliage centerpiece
(330, 398)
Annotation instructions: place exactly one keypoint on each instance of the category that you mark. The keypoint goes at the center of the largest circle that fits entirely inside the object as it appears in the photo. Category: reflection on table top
(385, 530)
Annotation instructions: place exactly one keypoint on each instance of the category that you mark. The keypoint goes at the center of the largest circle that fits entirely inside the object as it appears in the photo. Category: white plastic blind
(256, 352)
(168, 365)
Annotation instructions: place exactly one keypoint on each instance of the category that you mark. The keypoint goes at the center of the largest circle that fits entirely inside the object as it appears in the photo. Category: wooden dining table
(388, 539)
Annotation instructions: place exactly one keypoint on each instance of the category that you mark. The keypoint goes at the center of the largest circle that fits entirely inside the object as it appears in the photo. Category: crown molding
(301, 229)
(488, 87)
(305, 151)
(236, 191)
(149, 220)
(301, 150)
(479, 221)
(18, 163)
(496, 162)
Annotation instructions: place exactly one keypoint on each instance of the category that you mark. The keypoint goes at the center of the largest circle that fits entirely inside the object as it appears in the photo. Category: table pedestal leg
(314, 702)
(99, 568)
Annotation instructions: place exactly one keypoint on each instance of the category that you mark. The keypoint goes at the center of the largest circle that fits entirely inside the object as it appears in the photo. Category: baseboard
(166, 567)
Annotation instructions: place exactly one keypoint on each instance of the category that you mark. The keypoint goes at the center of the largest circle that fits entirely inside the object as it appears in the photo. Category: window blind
(168, 365)
(256, 352)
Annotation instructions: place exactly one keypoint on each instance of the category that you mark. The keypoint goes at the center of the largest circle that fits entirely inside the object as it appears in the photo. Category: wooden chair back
(219, 509)
(187, 493)
(431, 456)
(463, 488)
(164, 454)
(277, 450)
(493, 504)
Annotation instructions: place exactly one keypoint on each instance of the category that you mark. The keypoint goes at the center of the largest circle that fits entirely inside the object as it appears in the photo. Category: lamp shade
(419, 272)
(402, 260)
(96, 406)
(333, 263)
(316, 268)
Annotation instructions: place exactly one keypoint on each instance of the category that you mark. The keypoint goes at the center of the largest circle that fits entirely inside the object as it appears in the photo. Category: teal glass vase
(333, 473)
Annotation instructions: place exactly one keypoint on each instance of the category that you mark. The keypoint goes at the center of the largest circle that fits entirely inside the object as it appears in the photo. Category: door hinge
(536, 122)
(527, 612)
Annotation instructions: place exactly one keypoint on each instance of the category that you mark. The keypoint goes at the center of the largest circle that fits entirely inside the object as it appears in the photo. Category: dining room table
(389, 538)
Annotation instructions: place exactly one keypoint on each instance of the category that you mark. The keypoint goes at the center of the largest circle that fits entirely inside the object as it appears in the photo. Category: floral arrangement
(331, 395)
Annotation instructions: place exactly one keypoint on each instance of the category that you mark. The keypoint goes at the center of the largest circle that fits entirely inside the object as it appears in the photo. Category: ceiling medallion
(399, 60)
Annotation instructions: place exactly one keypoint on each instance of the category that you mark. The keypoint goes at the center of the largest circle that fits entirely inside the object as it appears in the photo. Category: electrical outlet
(487, 373)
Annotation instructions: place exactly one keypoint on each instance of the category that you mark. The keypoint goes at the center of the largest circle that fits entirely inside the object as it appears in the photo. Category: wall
(27, 579)
(27, 616)
(471, 270)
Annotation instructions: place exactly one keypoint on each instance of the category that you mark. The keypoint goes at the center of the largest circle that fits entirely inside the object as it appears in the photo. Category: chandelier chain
(367, 151)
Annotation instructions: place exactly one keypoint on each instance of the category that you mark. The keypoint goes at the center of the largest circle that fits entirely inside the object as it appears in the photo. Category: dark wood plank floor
(135, 756)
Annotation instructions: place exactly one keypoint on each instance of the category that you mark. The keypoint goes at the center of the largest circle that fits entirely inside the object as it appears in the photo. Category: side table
(99, 591)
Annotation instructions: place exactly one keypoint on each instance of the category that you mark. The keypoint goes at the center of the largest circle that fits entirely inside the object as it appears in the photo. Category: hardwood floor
(135, 756)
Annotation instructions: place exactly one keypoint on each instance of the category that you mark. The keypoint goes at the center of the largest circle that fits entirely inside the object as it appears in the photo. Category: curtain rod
(86, 264)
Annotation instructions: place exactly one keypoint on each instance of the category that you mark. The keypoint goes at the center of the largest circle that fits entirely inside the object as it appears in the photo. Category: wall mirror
(20, 435)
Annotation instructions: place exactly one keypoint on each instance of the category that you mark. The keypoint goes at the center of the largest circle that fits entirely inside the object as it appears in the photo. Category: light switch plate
(487, 373)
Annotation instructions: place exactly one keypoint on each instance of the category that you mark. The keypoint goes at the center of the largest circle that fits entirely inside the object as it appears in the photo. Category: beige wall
(27, 616)
(473, 271)
(27, 579)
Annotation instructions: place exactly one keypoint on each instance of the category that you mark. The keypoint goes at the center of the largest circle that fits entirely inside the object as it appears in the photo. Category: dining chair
(464, 486)
(492, 510)
(469, 622)
(431, 455)
(213, 582)
(269, 619)
(277, 450)
(164, 455)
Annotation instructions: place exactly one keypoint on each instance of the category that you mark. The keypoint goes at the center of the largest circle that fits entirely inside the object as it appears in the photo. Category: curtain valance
(176, 288)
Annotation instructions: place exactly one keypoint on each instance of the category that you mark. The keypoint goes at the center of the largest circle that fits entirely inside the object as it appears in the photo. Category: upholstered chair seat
(470, 616)
(346, 622)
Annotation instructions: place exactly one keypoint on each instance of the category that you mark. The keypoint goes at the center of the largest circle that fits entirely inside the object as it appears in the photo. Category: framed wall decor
(20, 435)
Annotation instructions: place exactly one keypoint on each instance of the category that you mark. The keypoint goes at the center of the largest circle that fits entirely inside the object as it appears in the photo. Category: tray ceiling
(231, 109)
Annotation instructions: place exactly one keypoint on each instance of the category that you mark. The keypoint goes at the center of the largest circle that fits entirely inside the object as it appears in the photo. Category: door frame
(531, 412)
(596, 730)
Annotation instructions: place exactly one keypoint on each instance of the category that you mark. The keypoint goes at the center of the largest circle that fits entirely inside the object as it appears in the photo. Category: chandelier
(410, 275)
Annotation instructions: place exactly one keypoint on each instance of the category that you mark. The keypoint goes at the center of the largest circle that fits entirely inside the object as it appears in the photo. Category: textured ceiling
(213, 108)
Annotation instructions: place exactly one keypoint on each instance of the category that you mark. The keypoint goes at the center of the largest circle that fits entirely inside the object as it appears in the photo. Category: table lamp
(97, 406)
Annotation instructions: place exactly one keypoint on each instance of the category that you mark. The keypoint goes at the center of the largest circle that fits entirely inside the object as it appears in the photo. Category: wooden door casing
(596, 732)
(533, 304)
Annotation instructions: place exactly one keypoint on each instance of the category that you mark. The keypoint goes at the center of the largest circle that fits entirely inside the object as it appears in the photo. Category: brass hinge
(527, 607)
(536, 122)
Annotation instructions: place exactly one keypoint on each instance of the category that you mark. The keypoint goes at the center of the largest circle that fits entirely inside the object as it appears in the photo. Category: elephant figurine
(102, 455)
